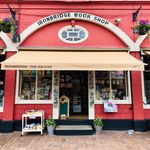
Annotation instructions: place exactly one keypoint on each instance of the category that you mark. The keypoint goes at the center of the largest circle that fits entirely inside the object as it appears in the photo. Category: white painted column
(91, 95)
(55, 94)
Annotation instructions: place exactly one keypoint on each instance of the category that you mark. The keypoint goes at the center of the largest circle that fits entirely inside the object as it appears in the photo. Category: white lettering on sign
(28, 67)
(72, 15)
(16, 66)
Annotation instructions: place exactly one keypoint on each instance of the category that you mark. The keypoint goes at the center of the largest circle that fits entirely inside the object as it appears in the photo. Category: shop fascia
(72, 15)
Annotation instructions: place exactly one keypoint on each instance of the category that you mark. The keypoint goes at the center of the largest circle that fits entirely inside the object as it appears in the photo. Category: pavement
(108, 140)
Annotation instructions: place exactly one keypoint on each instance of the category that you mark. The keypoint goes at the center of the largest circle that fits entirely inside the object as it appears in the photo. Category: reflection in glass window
(35, 85)
(2, 79)
(111, 85)
(147, 78)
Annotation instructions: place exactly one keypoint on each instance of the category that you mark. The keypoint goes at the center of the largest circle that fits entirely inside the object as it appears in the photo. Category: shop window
(71, 34)
(146, 59)
(35, 85)
(111, 85)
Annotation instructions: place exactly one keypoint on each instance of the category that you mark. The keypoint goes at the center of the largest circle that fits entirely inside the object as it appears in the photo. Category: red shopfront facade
(73, 37)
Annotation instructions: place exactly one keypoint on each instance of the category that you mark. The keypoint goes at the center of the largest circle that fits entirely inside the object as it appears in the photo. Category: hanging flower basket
(142, 28)
(7, 25)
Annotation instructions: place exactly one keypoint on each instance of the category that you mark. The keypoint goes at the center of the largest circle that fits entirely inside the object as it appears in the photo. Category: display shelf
(32, 127)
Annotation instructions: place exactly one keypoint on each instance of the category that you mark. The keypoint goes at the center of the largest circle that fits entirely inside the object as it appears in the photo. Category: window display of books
(117, 74)
(103, 94)
(33, 126)
(35, 85)
(34, 112)
(2, 77)
(1, 97)
(65, 81)
(111, 85)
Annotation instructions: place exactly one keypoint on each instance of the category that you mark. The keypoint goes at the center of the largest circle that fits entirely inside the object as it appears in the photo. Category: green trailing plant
(142, 28)
(50, 122)
(7, 25)
(98, 122)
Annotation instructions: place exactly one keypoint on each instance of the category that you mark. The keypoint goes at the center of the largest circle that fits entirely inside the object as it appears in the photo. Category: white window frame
(1, 107)
(126, 101)
(72, 42)
(20, 101)
(145, 105)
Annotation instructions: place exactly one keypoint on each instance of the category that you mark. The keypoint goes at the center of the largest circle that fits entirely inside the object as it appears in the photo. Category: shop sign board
(72, 15)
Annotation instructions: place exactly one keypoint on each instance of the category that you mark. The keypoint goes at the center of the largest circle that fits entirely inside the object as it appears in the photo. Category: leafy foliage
(7, 25)
(142, 28)
(50, 122)
(98, 122)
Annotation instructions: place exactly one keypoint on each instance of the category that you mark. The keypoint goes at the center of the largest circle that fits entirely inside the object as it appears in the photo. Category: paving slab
(108, 140)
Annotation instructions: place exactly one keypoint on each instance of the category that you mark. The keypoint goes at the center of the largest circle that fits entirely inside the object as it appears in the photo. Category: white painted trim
(126, 101)
(140, 40)
(147, 106)
(129, 100)
(70, 27)
(17, 86)
(1, 109)
(56, 110)
(108, 25)
(10, 46)
(91, 109)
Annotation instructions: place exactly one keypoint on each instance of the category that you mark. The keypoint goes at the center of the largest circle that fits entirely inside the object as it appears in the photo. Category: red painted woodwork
(124, 112)
(98, 37)
(137, 91)
(20, 109)
(1, 115)
(147, 113)
(9, 92)
(2, 44)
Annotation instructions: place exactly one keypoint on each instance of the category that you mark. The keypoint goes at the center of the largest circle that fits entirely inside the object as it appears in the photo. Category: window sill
(147, 106)
(1, 108)
(116, 101)
(34, 102)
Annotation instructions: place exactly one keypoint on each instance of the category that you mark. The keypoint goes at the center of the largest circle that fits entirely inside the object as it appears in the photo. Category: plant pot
(136, 31)
(50, 130)
(98, 130)
(1, 27)
(6, 29)
(143, 30)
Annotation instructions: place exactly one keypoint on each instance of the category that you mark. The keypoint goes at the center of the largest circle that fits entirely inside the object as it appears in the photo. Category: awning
(52, 60)
(147, 52)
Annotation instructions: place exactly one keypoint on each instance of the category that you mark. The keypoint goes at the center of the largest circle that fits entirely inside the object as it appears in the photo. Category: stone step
(74, 130)
(74, 122)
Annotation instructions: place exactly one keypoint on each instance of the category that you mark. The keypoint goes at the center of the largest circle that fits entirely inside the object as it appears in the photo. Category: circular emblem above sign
(73, 35)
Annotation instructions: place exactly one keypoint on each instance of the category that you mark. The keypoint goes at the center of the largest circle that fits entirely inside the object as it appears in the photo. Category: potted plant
(7, 25)
(50, 126)
(98, 125)
(142, 28)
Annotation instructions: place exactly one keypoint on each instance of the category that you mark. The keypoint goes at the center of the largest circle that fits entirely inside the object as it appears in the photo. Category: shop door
(74, 85)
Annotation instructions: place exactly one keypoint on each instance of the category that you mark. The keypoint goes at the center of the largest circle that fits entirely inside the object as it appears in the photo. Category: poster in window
(110, 106)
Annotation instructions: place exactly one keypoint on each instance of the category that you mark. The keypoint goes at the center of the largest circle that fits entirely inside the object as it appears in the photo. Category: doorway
(74, 85)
